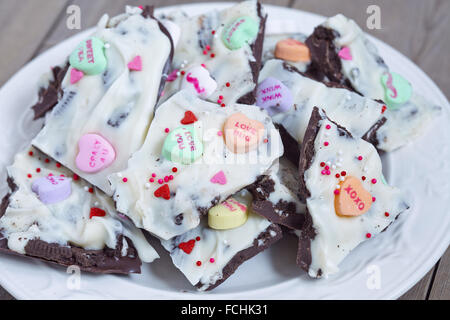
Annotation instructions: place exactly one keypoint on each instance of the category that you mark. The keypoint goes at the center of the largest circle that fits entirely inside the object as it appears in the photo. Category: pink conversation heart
(95, 153)
(135, 64)
(219, 178)
(345, 54)
(52, 189)
(75, 75)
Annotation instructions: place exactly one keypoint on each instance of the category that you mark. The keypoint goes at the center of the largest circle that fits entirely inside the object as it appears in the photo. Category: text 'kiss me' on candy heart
(52, 189)
(273, 96)
(352, 200)
(89, 56)
(94, 153)
(182, 145)
(242, 134)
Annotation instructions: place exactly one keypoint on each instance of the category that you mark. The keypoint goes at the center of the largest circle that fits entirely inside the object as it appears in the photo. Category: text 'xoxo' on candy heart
(94, 153)
(352, 199)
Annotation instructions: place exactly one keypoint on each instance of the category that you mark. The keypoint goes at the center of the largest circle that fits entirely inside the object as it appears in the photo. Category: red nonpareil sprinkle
(337, 175)
(205, 52)
(198, 238)
(171, 177)
(219, 133)
(50, 174)
(151, 180)
(141, 7)
(97, 212)
(30, 153)
(327, 168)
(212, 55)
(75, 177)
(166, 179)
(208, 47)
(222, 105)
(360, 158)
(166, 130)
(47, 160)
(386, 214)
(368, 235)
(328, 127)
(219, 101)
(221, 97)
(125, 179)
(91, 190)
(213, 32)
(212, 260)
(383, 109)
(203, 65)
(160, 181)
(182, 72)
(58, 165)
(374, 181)
(343, 173)
(326, 143)
(374, 199)
(198, 263)
(266, 140)
(227, 84)
(336, 191)
(322, 164)
(38, 170)
(29, 175)
(363, 178)
(174, 169)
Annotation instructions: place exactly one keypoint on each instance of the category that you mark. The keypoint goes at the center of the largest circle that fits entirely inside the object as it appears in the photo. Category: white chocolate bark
(364, 71)
(66, 222)
(219, 245)
(227, 66)
(356, 113)
(191, 187)
(117, 104)
(337, 235)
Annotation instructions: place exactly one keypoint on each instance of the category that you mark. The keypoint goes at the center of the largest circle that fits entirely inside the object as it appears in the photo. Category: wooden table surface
(417, 28)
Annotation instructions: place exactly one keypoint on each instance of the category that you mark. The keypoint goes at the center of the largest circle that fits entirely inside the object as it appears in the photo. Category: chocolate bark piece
(275, 196)
(82, 229)
(49, 96)
(342, 167)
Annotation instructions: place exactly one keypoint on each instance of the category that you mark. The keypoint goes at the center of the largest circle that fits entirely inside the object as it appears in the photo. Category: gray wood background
(417, 28)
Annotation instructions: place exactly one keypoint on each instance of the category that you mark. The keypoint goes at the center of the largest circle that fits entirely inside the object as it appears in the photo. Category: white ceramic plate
(400, 257)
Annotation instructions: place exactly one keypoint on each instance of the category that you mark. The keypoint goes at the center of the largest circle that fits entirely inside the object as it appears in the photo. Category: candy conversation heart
(242, 134)
(292, 50)
(95, 153)
(241, 31)
(227, 215)
(52, 189)
(89, 56)
(182, 145)
(352, 199)
(199, 82)
(273, 96)
(397, 89)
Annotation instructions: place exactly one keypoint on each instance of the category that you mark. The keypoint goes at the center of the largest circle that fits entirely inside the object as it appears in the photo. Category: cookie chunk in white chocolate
(203, 43)
(112, 103)
(189, 162)
(63, 210)
(356, 113)
(408, 113)
(207, 257)
(347, 198)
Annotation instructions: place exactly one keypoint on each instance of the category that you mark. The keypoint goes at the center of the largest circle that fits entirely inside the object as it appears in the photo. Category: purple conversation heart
(273, 96)
(52, 189)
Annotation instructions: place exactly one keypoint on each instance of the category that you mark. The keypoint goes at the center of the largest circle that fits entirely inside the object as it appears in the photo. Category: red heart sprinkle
(97, 212)
(163, 192)
(187, 247)
(189, 117)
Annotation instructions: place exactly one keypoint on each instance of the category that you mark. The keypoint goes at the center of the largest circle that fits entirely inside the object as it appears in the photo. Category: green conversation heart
(182, 145)
(89, 56)
(397, 90)
(240, 31)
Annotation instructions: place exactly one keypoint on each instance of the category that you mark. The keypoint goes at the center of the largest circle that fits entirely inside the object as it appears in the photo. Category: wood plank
(414, 27)
(24, 27)
(420, 289)
(440, 289)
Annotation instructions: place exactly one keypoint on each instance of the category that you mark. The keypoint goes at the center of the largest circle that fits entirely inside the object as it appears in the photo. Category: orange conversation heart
(242, 134)
(353, 200)
(292, 50)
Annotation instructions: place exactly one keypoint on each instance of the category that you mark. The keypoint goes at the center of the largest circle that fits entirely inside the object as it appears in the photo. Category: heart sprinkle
(97, 212)
(345, 53)
(135, 64)
(189, 117)
(219, 178)
(163, 192)
(75, 75)
(187, 247)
